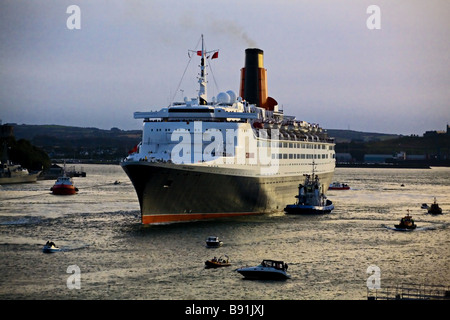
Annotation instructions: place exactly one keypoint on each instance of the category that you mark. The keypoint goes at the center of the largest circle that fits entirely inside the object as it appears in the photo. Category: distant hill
(31, 132)
(79, 143)
(65, 142)
(37, 132)
(429, 147)
(350, 135)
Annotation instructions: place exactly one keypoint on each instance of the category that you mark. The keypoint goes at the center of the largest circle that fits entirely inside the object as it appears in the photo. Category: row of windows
(188, 130)
(295, 145)
(195, 130)
(299, 156)
(167, 129)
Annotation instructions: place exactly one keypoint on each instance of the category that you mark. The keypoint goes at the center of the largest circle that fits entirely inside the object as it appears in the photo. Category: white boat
(14, 173)
(213, 242)
(267, 270)
(50, 247)
(311, 199)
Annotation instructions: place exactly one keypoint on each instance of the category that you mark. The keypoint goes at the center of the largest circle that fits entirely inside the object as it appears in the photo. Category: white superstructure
(227, 140)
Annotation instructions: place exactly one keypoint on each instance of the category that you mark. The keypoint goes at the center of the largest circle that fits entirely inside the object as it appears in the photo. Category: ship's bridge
(197, 112)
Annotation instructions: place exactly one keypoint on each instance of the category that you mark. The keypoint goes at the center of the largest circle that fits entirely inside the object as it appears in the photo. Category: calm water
(99, 231)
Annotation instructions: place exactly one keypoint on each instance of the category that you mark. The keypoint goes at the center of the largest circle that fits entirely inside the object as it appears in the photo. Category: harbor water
(116, 257)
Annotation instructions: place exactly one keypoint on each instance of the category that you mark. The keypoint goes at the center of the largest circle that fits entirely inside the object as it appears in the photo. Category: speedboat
(434, 208)
(213, 242)
(338, 186)
(267, 269)
(223, 261)
(310, 198)
(406, 223)
(50, 247)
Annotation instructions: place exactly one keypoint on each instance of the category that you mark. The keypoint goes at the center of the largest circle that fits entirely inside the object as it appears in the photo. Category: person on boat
(50, 243)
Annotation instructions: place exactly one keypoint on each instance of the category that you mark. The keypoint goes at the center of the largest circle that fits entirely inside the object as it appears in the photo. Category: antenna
(202, 96)
(202, 92)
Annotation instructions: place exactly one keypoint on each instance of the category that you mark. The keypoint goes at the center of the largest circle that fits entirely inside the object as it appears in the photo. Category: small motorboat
(266, 270)
(424, 206)
(310, 198)
(338, 186)
(213, 242)
(50, 247)
(434, 208)
(222, 261)
(406, 223)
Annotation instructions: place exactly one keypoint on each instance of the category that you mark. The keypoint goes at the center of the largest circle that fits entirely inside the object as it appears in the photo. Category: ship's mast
(202, 96)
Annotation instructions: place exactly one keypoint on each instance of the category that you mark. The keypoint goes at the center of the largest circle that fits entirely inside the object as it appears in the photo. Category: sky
(324, 64)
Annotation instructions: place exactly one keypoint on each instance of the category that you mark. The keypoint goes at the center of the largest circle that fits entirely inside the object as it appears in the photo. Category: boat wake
(410, 230)
(73, 248)
(21, 221)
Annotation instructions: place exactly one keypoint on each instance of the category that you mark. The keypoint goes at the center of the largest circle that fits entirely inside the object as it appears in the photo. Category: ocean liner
(228, 156)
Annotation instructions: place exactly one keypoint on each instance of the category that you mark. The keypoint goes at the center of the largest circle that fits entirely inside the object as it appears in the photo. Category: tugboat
(339, 186)
(267, 270)
(434, 208)
(213, 242)
(64, 185)
(310, 198)
(406, 223)
(223, 261)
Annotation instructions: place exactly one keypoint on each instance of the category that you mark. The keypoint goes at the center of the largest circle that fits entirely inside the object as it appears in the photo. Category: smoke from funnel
(232, 29)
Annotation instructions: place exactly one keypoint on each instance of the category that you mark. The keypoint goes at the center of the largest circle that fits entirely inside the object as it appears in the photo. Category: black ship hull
(169, 192)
